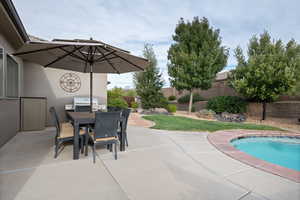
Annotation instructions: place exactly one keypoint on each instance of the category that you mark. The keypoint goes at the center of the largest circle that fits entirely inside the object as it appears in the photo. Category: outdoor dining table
(81, 119)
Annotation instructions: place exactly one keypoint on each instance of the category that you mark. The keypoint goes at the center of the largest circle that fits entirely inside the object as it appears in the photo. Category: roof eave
(12, 12)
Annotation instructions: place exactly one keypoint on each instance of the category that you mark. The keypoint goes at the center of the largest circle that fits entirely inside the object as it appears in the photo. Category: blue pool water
(284, 151)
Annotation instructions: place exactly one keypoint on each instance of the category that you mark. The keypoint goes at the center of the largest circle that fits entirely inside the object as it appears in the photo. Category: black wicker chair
(113, 109)
(105, 131)
(125, 114)
(64, 133)
(82, 108)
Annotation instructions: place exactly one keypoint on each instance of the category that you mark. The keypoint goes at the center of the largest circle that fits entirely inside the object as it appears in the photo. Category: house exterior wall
(45, 82)
(9, 108)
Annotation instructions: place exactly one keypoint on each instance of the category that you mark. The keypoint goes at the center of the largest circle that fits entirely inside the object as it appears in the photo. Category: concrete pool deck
(157, 165)
(221, 140)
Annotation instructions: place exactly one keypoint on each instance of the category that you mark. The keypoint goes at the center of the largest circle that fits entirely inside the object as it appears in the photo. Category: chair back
(125, 114)
(55, 120)
(106, 124)
(113, 109)
(82, 108)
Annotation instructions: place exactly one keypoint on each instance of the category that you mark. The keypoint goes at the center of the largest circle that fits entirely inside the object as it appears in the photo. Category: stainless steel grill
(84, 101)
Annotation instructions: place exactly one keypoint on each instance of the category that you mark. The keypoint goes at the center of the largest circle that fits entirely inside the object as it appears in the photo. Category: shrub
(171, 98)
(130, 93)
(117, 102)
(171, 108)
(134, 105)
(128, 100)
(186, 98)
(115, 93)
(163, 102)
(193, 109)
(208, 114)
(231, 104)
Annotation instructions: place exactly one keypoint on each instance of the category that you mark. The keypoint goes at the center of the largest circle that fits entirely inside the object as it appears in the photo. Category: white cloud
(131, 23)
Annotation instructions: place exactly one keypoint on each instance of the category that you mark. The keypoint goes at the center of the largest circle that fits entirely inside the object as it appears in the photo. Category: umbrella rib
(101, 58)
(38, 50)
(128, 61)
(85, 57)
(93, 54)
(107, 60)
(63, 56)
(72, 54)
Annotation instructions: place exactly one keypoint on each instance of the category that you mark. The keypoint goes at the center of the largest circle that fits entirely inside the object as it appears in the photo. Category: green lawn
(166, 122)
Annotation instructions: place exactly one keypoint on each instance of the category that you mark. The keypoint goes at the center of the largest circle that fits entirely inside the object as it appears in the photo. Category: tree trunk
(264, 107)
(191, 102)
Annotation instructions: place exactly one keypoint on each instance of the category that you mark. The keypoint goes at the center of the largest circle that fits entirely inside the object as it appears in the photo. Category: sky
(129, 24)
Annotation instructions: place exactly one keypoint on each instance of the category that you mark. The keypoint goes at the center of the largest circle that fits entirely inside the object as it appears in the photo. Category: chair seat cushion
(106, 139)
(102, 139)
(67, 130)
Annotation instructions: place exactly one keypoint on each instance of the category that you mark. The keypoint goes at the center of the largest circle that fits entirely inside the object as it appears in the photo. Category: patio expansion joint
(112, 176)
(251, 192)
(245, 195)
(212, 171)
(138, 149)
(191, 157)
(2, 172)
(238, 172)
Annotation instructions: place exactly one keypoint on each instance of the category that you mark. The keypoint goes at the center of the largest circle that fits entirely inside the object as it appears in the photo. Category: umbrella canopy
(76, 54)
(87, 56)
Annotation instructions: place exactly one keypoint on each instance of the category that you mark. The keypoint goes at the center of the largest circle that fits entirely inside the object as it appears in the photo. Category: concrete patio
(157, 165)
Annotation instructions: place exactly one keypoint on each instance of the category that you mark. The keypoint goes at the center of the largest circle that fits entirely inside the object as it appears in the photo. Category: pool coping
(221, 140)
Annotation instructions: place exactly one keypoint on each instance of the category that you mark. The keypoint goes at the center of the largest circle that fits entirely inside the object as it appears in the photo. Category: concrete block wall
(219, 88)
(282, 109)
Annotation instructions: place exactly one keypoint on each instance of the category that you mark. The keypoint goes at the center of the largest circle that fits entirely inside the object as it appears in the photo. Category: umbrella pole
(91, 88)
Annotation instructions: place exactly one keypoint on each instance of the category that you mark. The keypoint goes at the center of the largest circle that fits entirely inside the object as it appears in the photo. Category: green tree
(115, 92)
(196, 56)
(268, 72)
(293, 51)
(149, 82)
(130, 93)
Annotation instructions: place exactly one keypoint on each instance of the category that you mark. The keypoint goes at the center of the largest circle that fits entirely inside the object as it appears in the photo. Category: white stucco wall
(45, 82)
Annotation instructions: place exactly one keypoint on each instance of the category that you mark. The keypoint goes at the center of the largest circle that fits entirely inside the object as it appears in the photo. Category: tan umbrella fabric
(87, 56)
(76, 54)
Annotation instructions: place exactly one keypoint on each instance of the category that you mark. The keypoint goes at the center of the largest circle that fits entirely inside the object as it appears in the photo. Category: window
(12, 77)
(9, 76)
(1, 73)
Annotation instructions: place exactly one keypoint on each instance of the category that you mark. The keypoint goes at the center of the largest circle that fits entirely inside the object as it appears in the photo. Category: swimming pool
(284, 151)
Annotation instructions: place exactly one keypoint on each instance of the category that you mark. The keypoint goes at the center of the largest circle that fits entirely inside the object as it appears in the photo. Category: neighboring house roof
(222, 75)
(35, 39)
(14, 17)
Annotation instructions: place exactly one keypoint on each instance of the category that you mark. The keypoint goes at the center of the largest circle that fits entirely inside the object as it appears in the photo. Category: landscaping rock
(207, 114)
(155, 111)
(229, 117)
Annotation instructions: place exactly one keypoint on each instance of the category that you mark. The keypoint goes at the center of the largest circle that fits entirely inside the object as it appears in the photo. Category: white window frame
(3, 74)
(4, 78)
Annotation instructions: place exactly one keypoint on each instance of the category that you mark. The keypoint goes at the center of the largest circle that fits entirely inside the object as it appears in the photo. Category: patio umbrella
(87, 56)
